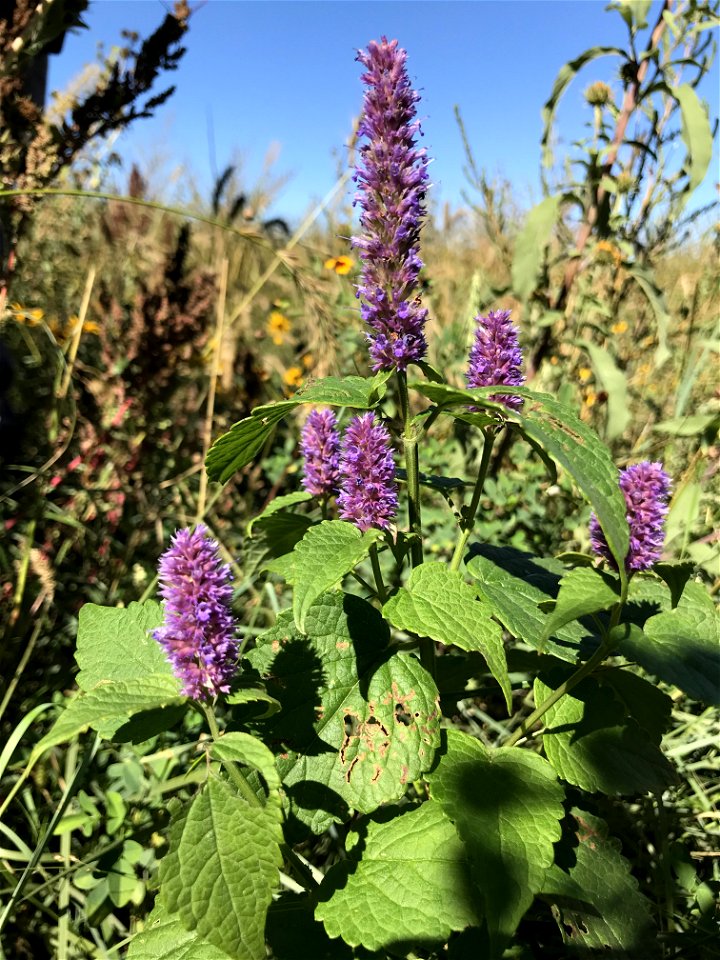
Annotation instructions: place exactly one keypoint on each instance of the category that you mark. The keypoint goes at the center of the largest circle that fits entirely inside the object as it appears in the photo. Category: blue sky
(283, 72)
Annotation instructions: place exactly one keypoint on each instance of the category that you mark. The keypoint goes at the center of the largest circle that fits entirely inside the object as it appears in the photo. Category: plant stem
(468, 521)
(572, 681)
(377, 572)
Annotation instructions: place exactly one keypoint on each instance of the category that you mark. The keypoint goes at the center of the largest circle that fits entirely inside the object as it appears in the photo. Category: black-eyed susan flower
(293, 377)
(340, 265)
(277, 326)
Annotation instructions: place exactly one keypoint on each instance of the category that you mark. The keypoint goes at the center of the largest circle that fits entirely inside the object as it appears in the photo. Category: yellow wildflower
(293, 377)
(619, 327)
(607, 251)
(584, 374)
(91, 327)
(590, 399)
(308, 361)
(277, 326)
(31, 317)
(341, 265)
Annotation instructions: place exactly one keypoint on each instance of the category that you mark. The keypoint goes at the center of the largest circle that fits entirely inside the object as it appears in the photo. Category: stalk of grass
(214, 371)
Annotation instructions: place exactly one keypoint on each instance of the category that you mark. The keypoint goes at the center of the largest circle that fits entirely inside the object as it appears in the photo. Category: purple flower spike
(198, 633)
(368, 492)
(320, 445)
(647, 489)
(392, 179)
(496, 357)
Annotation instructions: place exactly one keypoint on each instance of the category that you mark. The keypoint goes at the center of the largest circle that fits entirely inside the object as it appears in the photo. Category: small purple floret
(320, 445)
(647, 489)
(198, 632)
(392, 179)
(495, 357)
(368, 492)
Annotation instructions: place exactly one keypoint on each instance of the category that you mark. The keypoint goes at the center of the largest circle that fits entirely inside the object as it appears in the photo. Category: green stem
(468, 521)
(377, 573)
(572, 681)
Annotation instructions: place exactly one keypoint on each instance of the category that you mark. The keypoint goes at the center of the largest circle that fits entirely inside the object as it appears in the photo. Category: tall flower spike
(392, 179)
(320, 445)
(496, 357)
(198, 632)
(368, 492)
(647, 488)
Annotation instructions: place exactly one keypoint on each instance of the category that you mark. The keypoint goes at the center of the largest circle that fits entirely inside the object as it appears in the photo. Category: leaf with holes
(515, 584)
(682, 646)
(406, 883)
(583, 591)
(506, 805)
(222, 869)
(594, 743)
(595, 898)
(557, 429)
(358, 722)
(437, 603)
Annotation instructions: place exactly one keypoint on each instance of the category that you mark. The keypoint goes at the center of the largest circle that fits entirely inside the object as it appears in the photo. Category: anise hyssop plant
(345, 807)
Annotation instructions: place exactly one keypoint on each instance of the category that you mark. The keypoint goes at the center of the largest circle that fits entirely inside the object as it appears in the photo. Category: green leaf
(108, 706)
(597, 902)
(282, 531)
(696, 134)
(222, 868)
(614, 383)
(243, 748)
(254, 695)
(565, 76)
(437, 603)
(279, 503)
(244, 440)
(114, 643)
(531, 244)
(241, 444)
(506, 805)
(165, 938)
(293, 933)
(569, 441)
(682, 646)
(357, 723)
(322, 558)
(582, 591)
(675, 574)
(405, 884)
(656, 299)
(593, 743)
(515, 584)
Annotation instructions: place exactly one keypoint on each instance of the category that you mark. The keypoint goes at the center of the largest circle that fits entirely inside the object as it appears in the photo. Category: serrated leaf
(593, 743)
(614, 383)
(243, 748)
(514, 584)
(682, 646)
(696, 134)
(110, 705)
(405, 884)
(597, 902)
(114, 643)
(583, 591)
(241, 444)
(569, 441)
(358, 724)
(531, 244)
(279, 503)
(675, 574)
(325, 554)
(165, 938)
(222, 868)
(244, 440)
(437, 603)
(642, 700)
(254, 695)
(506, 805)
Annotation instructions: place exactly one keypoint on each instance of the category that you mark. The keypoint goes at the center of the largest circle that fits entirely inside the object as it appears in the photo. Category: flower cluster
(198, 632)
(368, 492)
(320, 445)
(495, 357)
(646, 487)
(392, 179)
